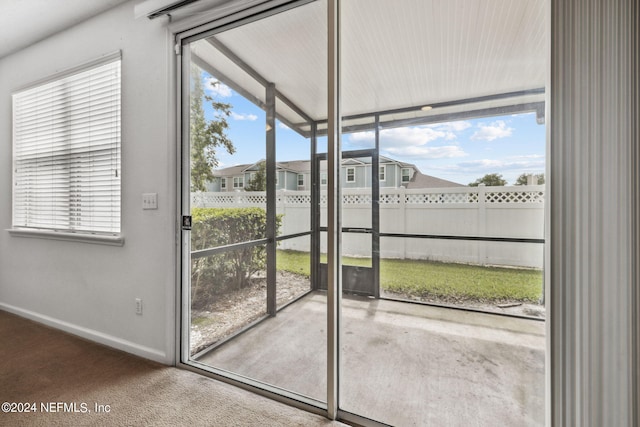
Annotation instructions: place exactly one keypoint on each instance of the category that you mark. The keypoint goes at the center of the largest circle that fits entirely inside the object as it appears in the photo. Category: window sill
(97, 239)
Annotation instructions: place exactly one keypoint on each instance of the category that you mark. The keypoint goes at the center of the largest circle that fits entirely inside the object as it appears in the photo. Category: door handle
(187, 222)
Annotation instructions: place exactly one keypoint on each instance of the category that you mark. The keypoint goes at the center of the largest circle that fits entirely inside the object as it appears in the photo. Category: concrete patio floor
(401, 363)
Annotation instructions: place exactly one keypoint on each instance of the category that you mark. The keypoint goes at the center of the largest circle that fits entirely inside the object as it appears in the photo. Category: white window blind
(66, 152)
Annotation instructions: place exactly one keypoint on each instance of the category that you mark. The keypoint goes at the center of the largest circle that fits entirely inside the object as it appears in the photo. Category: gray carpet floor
(48, 367)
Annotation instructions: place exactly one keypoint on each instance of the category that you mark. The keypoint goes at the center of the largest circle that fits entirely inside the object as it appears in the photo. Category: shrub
(229, 270)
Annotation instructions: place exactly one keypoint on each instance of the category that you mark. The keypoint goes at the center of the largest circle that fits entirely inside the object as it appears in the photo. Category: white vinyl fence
(511, 212)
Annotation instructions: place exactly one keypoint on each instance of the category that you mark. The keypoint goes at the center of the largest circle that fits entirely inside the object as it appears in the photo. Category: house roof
(298, 166)
(420, 180)
(302, 166)
(231, 171)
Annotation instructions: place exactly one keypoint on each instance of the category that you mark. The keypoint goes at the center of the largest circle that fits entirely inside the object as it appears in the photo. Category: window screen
(66, 152)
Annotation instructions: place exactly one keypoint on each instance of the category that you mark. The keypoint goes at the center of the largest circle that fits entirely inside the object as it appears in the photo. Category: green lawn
(448, 281)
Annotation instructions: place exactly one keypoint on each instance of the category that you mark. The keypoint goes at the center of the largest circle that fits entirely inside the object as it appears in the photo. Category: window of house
(66, 152)
(323, 179)
(300, 180)
(238, 182)
(381, 173)
(223, 183)
(351, 174)
(406, 175)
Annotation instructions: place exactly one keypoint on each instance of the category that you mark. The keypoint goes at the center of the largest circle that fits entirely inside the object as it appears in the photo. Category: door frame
(370, 274)
(334, 228)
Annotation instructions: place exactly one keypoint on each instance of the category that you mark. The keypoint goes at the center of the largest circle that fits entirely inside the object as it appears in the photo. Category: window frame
(353, 175)
(402, 175)
(238, 182)
(84, 234)
(382, 173)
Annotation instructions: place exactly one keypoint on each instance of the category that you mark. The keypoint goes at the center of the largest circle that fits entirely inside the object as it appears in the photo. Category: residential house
(356, 173)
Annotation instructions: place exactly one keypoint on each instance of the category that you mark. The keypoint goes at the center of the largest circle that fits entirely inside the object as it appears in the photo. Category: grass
(428, 279)
(201, 321)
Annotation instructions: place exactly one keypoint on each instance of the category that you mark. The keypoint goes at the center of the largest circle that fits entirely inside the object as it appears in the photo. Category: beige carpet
(45, 366)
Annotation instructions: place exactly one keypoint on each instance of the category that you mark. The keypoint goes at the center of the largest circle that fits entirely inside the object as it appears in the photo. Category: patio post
(334, 201)
(271, 197)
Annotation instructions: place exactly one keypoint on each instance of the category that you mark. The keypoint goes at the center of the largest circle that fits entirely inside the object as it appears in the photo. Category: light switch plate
(150, 201)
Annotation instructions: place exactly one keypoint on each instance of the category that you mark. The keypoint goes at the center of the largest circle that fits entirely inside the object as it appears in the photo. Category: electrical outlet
(139, 306)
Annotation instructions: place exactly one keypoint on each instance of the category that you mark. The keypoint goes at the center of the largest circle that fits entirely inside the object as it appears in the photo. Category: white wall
(89, 289)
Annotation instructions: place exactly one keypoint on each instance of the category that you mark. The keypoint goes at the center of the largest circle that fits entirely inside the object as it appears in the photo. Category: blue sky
(460, 151)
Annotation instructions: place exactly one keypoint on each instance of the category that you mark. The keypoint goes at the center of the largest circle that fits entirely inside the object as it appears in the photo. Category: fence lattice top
(533, 194)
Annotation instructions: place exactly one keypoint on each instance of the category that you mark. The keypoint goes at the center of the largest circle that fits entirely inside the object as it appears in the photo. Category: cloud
(439, 152)
(529, 156)
(495, 130)
(411, 142)
(408, 136)
(458, 126)
(469, 171)
(215, 87)
(283, 126)
(523, 163)
(242, 116)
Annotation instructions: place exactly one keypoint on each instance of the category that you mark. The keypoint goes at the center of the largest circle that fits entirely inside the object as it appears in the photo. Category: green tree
(490, 180)
(259, 181)
(522, 179)
(206, 135)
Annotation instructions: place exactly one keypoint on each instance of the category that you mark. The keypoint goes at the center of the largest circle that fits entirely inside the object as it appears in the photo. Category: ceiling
(25, 22)
(462, 58)
(397, 56)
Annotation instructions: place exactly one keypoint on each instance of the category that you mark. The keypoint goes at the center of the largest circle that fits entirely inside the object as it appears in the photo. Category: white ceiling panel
(395, 55)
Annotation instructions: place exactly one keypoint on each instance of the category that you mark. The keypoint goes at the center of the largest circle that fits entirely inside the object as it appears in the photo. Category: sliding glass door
(446, 93)
(363, 207)
(253, 313)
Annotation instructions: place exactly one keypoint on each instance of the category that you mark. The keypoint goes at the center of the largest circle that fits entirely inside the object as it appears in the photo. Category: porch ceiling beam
(495, 97)
(227, 80)
(255, 74)
(447, 117)
(237, 60)
(246, 94)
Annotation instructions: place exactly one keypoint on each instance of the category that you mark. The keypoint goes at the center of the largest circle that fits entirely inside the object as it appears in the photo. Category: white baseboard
(90, 334)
